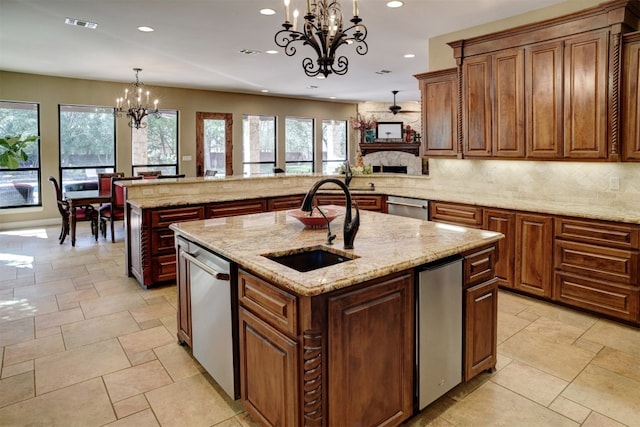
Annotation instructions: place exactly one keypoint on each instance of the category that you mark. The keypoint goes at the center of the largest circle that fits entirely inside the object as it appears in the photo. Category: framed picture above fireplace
(389, 131)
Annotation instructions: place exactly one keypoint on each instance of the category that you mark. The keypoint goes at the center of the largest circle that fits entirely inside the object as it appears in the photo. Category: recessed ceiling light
(267, 11)
(81, 23)
(271, 52)
(264, 90)
(332, 97)
(410, 55)
(146, 29)
(395, 3)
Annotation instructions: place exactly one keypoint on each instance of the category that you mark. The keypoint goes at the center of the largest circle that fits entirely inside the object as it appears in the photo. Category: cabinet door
(184, 297)
(359, 321)
(631, 98)
(268, 372)
(285, 202)
(476, 86)
(455, 213)
(243, 207)
(534, 239)
(543, 101)
(480, 328)
(508, 103)
(585, 96)
(440, 112)
(503, 222)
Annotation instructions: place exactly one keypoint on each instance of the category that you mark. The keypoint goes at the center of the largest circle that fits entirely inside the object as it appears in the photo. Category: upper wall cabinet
(631, 98)
(549, 90)
(439, 91)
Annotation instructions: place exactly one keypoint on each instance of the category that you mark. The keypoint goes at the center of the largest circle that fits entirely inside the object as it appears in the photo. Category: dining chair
(114, 211)
(180, 175)
(83, 213)
(210, 172)
(104, 179)
(149, 174)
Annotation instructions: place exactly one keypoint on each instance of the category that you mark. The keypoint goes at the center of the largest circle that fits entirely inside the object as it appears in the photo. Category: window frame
(38, 169)
(275, 145)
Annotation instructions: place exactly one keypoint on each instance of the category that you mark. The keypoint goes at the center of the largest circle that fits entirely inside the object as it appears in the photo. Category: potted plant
(12, 150)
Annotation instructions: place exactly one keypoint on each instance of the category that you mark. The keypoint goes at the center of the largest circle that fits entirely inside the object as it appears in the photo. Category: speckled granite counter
(153, 194)
(384, 244)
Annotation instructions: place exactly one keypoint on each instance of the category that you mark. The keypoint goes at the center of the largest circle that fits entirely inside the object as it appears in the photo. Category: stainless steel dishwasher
(438, 329)
(212, 316)
(408, 207)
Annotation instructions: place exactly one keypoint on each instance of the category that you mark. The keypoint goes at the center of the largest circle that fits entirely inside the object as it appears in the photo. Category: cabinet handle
(220, 276)
(407, 204)
(484, 297)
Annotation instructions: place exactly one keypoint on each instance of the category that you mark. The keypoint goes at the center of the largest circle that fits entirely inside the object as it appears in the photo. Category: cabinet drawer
(244, 207)
(272, 304)
(370, 203)
(617, 300)
(284, 203)
(165, 217)
(597, 261)
(454, 213)
(598, 233)
(163, 268)
(479, 266)
(162, 240)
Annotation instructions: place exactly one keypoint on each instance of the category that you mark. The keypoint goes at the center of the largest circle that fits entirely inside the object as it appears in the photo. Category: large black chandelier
(135, 104)
(324, 31)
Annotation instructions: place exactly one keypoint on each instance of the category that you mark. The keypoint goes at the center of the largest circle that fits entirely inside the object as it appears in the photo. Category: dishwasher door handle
(217, 275)
(409, 205)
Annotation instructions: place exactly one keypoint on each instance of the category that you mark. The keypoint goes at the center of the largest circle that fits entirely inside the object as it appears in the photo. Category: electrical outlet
(147, 191)
(489, 176)
(614, 183)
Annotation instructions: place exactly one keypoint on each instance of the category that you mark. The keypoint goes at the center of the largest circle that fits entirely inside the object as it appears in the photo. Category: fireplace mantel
(411, 148)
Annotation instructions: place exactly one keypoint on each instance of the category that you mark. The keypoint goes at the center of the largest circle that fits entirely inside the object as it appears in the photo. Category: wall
(50, 91)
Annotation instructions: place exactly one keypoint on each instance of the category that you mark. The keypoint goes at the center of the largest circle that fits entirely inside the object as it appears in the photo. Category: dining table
(81, 198)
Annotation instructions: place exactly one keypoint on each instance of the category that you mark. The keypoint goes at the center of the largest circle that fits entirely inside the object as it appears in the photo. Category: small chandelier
(135, 104)
(323, 30)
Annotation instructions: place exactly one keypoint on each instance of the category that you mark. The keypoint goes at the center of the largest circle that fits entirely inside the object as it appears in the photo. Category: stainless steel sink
(309, 259)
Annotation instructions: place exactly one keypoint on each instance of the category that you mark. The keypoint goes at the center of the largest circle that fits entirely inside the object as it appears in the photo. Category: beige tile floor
(81, 344)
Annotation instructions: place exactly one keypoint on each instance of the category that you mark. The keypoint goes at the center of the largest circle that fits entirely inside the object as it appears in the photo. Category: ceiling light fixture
(410, 55)
(146, 29)
(323, 30)
(267, 11)
(134, 105)
(395, 4)
(394, 108)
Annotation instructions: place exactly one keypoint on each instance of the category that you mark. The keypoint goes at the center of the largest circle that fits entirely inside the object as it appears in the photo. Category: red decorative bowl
(316, 220)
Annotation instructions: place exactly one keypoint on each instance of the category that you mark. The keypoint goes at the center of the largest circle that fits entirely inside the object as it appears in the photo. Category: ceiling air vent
(81, 23)
(249, 52)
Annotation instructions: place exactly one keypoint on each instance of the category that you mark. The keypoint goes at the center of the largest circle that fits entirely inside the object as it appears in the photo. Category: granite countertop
(384, 244)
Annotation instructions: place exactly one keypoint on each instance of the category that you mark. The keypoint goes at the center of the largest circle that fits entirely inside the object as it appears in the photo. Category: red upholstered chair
(149, 174)
(114, 211)
(83, 213)
(104, 180)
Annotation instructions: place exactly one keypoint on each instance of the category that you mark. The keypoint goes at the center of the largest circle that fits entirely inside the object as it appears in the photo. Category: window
(21, 186)
(299, 144)
(87, 145)
(334, 145)
(155, 147)
(258, 144)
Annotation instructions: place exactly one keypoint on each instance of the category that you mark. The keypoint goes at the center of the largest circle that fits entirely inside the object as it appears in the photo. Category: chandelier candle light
(323, 30)
(133, 105)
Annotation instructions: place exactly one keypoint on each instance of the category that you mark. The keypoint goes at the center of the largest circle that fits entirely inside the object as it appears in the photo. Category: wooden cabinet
(507, 76)
(480, 308)
(456, 213)
(585, 96)
(596, 267)
(543, 101)
(374, 326)
(237, 207)
(439, 91)
(503, 221)
(285, 202)
(631, 98)
(152, 256)
(365, 201)
(477, 106)
(534, 246)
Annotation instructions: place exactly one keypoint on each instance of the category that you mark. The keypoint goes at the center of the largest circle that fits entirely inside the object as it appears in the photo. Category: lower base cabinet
(480, 323)
(534, 254)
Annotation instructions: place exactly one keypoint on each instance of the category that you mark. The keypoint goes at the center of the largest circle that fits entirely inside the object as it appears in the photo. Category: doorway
(214, 144)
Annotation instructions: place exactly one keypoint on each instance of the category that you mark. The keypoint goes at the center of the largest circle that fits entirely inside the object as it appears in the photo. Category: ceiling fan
(395, 108)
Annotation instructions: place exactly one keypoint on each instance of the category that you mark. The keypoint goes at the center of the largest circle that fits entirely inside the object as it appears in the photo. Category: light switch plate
(614, 183)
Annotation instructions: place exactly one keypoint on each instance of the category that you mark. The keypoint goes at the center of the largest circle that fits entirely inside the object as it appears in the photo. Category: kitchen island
(336, 345)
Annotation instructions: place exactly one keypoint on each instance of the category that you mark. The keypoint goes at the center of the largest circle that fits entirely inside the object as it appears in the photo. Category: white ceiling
(196, 43)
